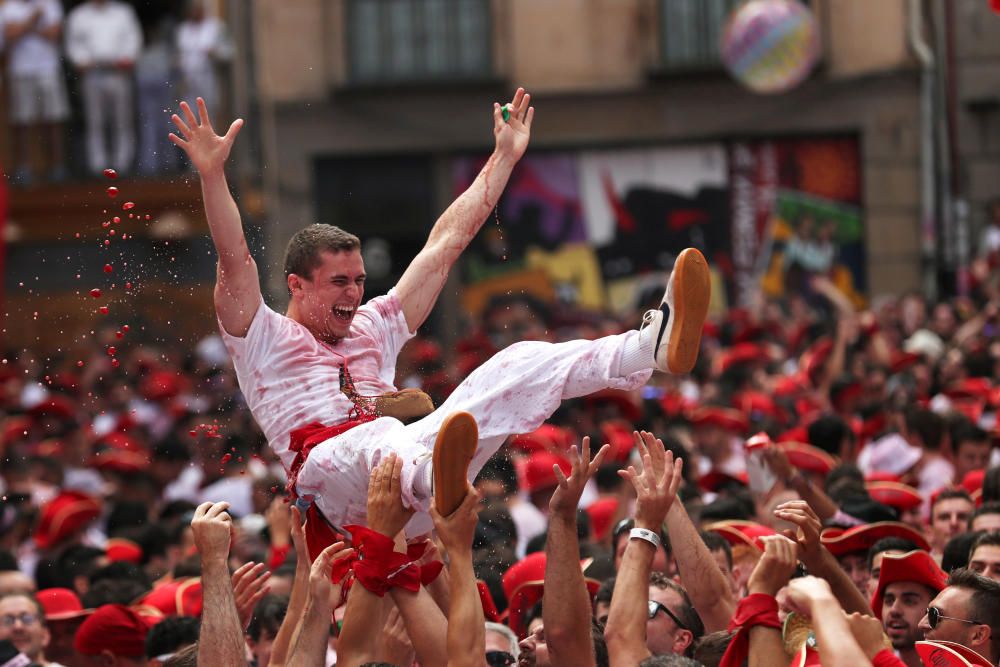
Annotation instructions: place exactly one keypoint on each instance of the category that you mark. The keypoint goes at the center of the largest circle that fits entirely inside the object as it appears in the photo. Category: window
(691, 31)
(398, 41)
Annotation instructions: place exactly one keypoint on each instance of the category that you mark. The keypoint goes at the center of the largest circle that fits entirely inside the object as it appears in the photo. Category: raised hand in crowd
(309, 646)
(817, 559)
(771, 574)
(466, 625)
(386, 512)
(812, 597)
(221, 640)
(285, 636)
(869, 633)
(249, 586)
(656, 489)
(207, 150)
(566, 613)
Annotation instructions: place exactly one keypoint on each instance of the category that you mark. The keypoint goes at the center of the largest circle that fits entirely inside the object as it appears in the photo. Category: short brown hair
(302, 253)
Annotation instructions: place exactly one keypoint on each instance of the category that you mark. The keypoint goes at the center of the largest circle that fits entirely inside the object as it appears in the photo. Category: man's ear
(982, 634)
(682, 640)
(294, 283)
(109, 659)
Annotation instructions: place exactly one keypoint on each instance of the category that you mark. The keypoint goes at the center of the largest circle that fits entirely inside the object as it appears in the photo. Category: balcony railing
(418, 41)
(690, 33)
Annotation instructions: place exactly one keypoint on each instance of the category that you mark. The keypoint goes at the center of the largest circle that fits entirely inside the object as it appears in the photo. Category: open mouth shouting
(344, 313)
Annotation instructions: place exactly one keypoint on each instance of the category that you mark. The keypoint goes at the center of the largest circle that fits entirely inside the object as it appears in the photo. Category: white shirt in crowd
(199, 43)
(32, 54)
(103, 33)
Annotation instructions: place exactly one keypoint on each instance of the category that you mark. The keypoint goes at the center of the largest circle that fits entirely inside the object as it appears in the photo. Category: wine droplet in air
(112, 191)
(110, 173)
(96, 293)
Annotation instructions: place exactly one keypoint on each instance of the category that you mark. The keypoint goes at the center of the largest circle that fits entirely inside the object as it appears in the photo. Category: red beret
(618, 434)
(725, 418)
(114, 628)
(56, 405)
(161, 385)
(601, 513)
(181, 597)
(524, 583)
(538, 473)
(120, 549)
(62, 516)
(841, 542)
(740, 354)
(916, 566)
(60, 604)
(979, 389)
(545, 437)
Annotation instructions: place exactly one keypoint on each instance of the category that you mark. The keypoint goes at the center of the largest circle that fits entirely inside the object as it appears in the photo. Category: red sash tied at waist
(304, 439)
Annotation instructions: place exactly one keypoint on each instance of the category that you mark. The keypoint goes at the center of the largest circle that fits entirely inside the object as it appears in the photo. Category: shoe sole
(453, 451)
(692, 294)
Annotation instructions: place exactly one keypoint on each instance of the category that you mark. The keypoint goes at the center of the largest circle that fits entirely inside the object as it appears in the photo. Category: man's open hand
(458, 528)
(212, 528)
(655, 493)
(322, 590)
(386, 512)
(512, 135)
(207, 150)
(566, 497)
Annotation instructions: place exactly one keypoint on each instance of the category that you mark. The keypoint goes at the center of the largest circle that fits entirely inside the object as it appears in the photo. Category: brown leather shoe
(453, 451)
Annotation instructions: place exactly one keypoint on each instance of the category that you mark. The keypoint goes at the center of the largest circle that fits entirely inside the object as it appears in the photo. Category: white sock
(637, 354)
(423, 479)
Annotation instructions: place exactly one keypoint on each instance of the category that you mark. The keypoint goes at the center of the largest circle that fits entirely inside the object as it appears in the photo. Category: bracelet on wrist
(645, 535)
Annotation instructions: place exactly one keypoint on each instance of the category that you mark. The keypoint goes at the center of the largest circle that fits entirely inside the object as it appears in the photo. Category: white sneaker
(679, 321)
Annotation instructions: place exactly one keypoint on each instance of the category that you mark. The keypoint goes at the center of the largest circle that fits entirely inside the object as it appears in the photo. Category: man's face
(534, 650)
(21, 624)
(601, 611)
(328, 300)
(903, 605)
(663, 635)
(950, 518)
(985, 560)
(954, 602)
(988, 522)
(856, 567)
(496, 642)
(720, 559)
(971, 455)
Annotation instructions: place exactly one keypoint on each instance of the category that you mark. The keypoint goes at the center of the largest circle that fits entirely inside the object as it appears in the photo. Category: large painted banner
(594, 227)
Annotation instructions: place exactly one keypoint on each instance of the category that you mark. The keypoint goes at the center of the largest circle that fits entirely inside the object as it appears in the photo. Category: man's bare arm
(223, 642)
(237, 285)
(565, 602)
(421, 283)
(710, 592)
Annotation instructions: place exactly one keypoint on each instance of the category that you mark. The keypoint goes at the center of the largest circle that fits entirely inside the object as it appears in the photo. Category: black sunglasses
(499, 659)
(934, 617)
(655, 606)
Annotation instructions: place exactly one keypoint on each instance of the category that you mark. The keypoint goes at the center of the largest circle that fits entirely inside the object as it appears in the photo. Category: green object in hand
(506, 112)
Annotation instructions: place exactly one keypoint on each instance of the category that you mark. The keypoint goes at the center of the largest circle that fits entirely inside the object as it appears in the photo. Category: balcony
(392, 42)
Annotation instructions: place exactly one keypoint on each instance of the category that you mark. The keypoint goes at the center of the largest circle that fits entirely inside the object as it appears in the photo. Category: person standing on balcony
(203, 44)
(103, 41)
(38, 105)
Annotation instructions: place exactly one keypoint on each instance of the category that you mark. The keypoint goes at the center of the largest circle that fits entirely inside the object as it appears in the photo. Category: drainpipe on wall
(928, 217)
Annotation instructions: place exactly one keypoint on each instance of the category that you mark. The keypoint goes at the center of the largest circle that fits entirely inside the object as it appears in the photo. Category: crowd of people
(123, 73)
(880, 528)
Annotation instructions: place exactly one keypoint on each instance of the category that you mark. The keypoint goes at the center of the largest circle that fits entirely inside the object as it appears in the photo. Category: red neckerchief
(753, 610)
(886, 658)
(378, 567)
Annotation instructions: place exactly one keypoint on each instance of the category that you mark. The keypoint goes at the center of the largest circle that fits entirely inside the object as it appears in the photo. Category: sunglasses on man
(934, 618)
(655, 607)
(499, 659)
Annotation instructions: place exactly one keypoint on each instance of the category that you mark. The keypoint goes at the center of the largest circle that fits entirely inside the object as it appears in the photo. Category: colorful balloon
(771, 45)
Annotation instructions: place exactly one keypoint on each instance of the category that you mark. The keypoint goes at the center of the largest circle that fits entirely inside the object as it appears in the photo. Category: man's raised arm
(421, 283)
(237, 286)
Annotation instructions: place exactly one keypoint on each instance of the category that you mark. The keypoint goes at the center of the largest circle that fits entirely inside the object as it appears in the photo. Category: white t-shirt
(289, 378)
(32, 54)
